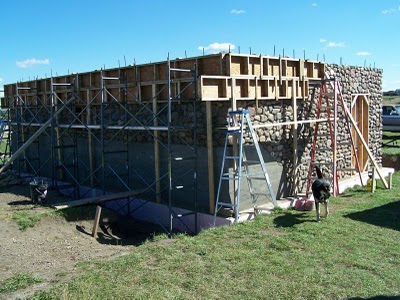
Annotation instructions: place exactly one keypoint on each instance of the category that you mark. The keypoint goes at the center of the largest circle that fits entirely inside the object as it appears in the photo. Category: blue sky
(43, 37)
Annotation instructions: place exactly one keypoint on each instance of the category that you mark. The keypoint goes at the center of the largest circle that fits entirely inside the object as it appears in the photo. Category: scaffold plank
(98, 199)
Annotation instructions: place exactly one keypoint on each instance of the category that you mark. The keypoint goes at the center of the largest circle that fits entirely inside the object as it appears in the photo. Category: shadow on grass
(387, 215)
(126, 231)
(290, 219)
(379, 297)
(20, 202)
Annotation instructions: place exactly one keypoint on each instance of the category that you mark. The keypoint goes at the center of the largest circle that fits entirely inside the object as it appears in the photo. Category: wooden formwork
(260, 77)
(222, 77)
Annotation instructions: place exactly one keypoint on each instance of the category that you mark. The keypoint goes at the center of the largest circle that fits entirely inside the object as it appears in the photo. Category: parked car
(391, 117)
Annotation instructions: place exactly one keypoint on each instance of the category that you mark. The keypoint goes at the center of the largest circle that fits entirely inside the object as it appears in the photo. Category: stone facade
(278, 140)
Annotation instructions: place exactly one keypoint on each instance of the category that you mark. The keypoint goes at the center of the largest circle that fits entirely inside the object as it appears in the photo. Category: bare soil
(392, 161)
(52, 248)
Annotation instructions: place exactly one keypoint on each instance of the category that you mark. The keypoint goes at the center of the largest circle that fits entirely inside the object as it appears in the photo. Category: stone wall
(278, 140)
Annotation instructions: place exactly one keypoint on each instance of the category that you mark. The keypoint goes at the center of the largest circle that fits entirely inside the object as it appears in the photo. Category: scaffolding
(110, 118)
(136, 128)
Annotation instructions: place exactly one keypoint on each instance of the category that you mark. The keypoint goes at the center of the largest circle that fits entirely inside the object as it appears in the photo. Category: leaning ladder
(332, 118)
(5, 137)
(236, 129)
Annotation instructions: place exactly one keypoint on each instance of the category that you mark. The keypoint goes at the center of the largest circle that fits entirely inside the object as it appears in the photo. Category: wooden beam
(90, 138)
(156, 146)
(210, 156)
(96, 220)
(294, 133)
(95, 200)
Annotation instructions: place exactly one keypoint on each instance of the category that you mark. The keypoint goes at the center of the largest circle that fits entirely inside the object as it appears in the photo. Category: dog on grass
(321, 191)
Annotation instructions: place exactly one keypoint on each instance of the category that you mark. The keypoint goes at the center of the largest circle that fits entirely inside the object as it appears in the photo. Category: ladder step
(256, 177)
(239, 112)
(252, 161)
(232, 157)
(229, 178)
(234, 130)
(347, 169)
(225, 204)
(260, 194)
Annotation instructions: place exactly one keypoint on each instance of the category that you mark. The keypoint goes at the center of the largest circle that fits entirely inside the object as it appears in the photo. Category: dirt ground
(51, 249)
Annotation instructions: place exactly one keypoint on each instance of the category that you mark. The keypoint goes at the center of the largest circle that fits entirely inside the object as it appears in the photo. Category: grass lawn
(391, 99)
(285, 255)
(391, 143)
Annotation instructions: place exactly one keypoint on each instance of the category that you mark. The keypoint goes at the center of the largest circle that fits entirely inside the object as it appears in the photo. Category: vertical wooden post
(373, 188)
(96, 221)
(210, 155)
(294, 134)
(234, 140)
(58, 142)
(90, 139)
(156, 146)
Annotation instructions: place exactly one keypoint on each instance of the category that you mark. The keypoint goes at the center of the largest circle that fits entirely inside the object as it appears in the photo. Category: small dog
(321, 191)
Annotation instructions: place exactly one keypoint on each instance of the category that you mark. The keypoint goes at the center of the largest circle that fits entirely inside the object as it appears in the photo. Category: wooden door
(360, 113)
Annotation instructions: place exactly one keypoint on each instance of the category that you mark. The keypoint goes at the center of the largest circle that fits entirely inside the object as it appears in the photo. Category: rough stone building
(159, 128)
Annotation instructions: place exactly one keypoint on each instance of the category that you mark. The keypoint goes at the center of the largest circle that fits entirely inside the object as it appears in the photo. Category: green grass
(19, 281)
(29, 217)
(26, 219)
(391, 99)
(391, 143)
(285, 255)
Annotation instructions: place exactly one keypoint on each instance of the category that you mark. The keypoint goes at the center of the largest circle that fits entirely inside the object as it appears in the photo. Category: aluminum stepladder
(332, 119)
(236, 129)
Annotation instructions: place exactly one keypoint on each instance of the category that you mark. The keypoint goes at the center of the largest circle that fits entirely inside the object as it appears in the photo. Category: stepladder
(242, 160)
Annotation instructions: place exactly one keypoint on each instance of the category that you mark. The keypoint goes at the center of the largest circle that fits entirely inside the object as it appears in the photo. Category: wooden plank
(95, 200)
(294, 133)
(156, 146)
(210, 156)
(90, 138)
(96, 220)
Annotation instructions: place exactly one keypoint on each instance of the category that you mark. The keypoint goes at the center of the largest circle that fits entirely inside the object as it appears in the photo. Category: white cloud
(1, 79)
(322, 40)
(314, 5)
(27, 63)
(363, 53)
(237, 11)
(391, 10)
(217, 47)
(334, 44)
